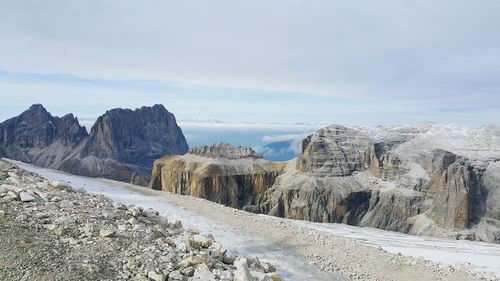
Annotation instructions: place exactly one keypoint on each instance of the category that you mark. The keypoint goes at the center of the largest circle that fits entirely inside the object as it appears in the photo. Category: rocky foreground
(49, 231)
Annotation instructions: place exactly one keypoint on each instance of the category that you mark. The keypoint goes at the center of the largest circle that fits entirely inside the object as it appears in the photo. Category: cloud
(234, 127)
(285, 137)
(377, 50)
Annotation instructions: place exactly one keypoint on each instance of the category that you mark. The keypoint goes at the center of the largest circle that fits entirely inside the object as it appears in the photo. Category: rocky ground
(50, 231)
(331, 253)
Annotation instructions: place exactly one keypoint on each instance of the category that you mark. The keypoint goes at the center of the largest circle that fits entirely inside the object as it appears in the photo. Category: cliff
(233, 176)
(412, 179)
(122, 144)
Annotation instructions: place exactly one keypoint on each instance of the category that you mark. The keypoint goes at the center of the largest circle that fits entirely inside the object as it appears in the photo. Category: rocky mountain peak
(225, 150)
(136, 136)
(35, 136)
(122, 144)
(334, 151)
(37, 107)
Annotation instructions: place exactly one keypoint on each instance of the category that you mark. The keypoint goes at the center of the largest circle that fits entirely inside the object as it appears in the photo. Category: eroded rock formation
(233, 176)
(398, 179)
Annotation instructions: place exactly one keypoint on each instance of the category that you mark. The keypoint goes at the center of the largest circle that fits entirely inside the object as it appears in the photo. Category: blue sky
(263, 62)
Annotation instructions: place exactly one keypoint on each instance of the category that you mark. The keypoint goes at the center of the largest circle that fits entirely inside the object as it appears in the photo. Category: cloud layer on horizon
(403, 57)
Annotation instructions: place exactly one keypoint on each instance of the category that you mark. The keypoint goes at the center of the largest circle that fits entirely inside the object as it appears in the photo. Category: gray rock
(59, 230)
(203, 273)
(241, 273)
(225, 150)
(107, 232)
(26, 197)
(199, 241)
(176, 276)
(152, 275)
(67, 204)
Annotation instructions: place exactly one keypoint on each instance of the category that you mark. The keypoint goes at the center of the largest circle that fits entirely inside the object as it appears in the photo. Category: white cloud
(285, 137)
(377, 49)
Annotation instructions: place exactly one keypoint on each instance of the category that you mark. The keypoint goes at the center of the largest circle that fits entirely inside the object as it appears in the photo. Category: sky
(283, 66)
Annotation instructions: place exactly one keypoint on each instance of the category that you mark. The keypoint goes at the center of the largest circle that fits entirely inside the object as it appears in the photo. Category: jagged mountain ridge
(35, 136)
(122, 143)
(414, 179)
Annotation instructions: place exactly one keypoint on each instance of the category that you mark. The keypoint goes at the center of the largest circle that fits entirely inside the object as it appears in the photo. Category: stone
(108, 214)
(217, 250)
(242, 274)
(107, 233)
(59, 230)
(12, 195)
(66, 204)
(259, 276)
(151, 212)
(123, 227)
(60, 185)
(156, 276)
(178, 224)
(22, 217)
(188, 271)
(199, 241)
(134, 211)
(119, 206)
(176, 276)
(203, 273)
(267, 267)
(26, 197)
(191, 261)
(2, 214)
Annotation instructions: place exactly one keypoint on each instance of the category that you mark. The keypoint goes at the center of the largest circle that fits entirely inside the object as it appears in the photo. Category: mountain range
(423, 179)
(121, 145)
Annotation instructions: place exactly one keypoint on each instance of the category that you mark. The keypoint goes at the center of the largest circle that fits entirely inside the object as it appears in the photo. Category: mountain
(423, 179)
(37, 137)
(122, 143)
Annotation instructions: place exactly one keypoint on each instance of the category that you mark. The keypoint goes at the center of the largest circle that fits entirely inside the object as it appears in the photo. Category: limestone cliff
(233, 176)
(400, 179)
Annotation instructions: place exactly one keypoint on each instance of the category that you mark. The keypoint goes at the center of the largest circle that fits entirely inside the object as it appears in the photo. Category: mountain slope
(122, 144)
(35, 136)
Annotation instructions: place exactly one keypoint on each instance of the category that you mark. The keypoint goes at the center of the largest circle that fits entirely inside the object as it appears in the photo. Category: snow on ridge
(481, 143)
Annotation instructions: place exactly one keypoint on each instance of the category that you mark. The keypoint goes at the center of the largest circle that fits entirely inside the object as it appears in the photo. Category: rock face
(122, 144)
(410, 179)
(235, 176)
(37, 137)
(225, 150)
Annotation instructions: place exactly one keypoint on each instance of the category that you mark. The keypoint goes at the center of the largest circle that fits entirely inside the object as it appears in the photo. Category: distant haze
(261, 62)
